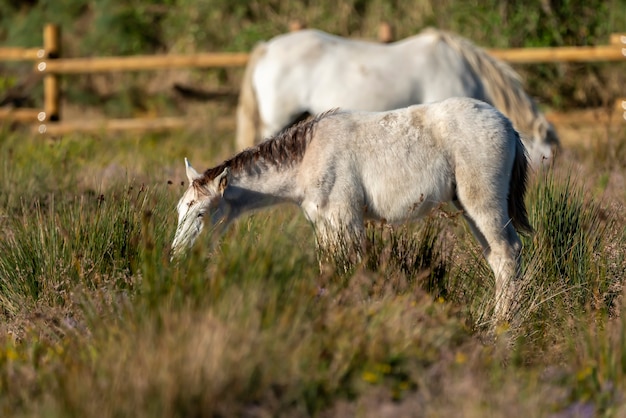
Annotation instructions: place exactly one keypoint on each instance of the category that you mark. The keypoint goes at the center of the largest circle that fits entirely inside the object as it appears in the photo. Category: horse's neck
(248, 192)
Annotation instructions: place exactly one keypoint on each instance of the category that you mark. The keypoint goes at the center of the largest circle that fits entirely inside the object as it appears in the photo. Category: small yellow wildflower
(370, 377)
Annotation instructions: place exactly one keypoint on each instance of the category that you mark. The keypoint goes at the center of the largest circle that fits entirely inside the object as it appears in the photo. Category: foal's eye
(200, 215)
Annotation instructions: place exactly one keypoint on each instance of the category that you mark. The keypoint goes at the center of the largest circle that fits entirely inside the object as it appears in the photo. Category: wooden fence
(49, 65)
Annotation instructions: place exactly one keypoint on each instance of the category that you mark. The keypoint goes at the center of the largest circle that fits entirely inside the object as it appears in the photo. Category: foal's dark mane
(286, 147)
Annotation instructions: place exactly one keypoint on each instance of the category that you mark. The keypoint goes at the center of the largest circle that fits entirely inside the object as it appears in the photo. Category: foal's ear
(222, 180)
(191, 173)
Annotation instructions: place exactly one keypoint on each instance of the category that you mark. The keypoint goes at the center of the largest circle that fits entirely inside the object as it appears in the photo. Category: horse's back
(333, 71)
(407, 160)
(481, 140)
(439, 71)
(304, 41)
(313, 71)
(464, 119)
(457, 135)
(449, 125)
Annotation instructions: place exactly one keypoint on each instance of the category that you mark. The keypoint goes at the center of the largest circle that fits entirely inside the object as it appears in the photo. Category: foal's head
(201, 200)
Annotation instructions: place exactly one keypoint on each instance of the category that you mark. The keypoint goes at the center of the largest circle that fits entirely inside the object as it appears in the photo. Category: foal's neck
(250, 190)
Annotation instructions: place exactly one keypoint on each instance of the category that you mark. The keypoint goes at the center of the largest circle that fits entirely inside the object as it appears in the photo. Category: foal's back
(402, 163)
(458, 128)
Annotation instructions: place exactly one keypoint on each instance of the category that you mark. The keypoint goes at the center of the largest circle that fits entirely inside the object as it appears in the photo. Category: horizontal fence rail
(111, 125)
(142, 63)
(49, 65)
(21, 54)
(239, 59)
(561, 54)
(20, 114)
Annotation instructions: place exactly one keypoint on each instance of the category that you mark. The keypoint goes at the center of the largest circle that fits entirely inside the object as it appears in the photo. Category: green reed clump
(566, 277)
(566, 259)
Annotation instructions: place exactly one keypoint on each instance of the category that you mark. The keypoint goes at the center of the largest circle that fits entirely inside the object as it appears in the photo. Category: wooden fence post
(385, 33)
(51, 89)
(296, 25)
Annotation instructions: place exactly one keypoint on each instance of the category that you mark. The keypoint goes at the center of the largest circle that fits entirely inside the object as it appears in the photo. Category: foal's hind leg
(503, 258)
(502, 247)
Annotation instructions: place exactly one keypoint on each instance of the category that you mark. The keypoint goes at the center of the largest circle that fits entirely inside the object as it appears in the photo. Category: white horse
(343, 167)
(309, 71)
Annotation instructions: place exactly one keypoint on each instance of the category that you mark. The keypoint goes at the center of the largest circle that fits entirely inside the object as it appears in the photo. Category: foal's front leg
(340, 242)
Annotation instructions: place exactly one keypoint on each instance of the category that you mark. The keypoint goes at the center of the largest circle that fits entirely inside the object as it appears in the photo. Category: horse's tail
(503, 88)
(517, 189)
(248, 119)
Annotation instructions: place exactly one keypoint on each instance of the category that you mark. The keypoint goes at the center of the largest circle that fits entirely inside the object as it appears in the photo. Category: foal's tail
(517, 189)
(248, 119)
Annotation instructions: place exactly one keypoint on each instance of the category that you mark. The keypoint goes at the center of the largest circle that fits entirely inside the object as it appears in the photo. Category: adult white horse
(309, 72)
(344, 167)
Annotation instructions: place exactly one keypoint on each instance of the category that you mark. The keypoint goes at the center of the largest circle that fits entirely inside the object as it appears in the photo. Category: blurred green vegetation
(121, 27)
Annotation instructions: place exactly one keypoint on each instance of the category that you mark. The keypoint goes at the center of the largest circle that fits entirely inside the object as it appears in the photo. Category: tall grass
(250, 332)
(570, 241)
(567, 266)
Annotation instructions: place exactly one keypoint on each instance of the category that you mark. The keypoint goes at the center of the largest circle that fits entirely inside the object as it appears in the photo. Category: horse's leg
(492, 228)
(248, 127)
(504, 261)
(340, 241)
(339, 233)
(475, 231)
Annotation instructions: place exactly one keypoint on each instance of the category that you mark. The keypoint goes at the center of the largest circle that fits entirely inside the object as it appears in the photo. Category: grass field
(97, 322)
